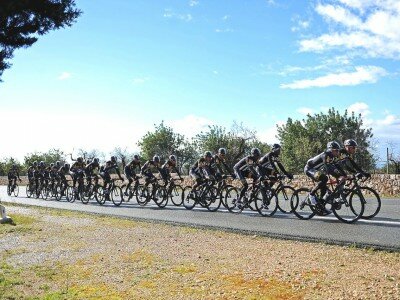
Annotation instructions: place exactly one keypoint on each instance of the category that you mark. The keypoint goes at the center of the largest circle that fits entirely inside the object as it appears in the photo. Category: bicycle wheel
(284, 195)
(188, 198)
(70, 194)
(57, 192)
(161, 197)
(28, 191)
(266, 205)
(348, 209)
(176, 195)
(142, 195)
(85, 194)
(16, 190)
(214, 199)
(231, 200)
(9, 190)
(116, 196)
(300, 204)
(99, 194)
(372, 202)
(44, 194)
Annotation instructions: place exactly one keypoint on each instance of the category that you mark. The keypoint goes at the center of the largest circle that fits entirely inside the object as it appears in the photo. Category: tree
(6, 164)
(304, 139)
(48, 157)
(162, 142)
(22, 21)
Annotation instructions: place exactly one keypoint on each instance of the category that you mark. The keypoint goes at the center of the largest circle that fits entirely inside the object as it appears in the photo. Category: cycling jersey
(346, 161)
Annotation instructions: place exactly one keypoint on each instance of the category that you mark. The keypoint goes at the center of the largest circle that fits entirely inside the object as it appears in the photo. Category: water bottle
(327, 194)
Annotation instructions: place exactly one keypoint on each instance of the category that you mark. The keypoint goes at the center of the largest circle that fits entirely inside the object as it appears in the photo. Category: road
(382, 232)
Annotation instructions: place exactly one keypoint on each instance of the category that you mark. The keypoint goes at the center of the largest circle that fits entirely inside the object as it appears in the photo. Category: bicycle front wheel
(116, 195)
(372, 202)
(284, 195)
(176, 195)
(231, 200)
(188, 198)
(16, 190)
(161, 197)
(348, 209)
(214, 199)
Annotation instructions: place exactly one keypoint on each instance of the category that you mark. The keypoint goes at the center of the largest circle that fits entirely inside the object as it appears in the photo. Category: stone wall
(384, 184)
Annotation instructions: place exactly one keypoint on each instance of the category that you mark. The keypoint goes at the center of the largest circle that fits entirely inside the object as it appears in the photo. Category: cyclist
(64, 170)
(346, 158)
(246, 168)
(270, 165)
(13, 175)
(146, 171)
(91, 171)
(130, 172)
(54, 173)
(218, 166)
(39, 175)
(200, 170)
(318, 167)
(31, 173)
(167, 168)
(107, 168)
(77, 171)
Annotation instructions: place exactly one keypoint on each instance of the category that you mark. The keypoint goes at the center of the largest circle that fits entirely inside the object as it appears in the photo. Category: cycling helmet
(66, 166)
(58, 163)
(136, 157)
(80, 159)
(207, 154)
(35, 163)
(276, 148)
(95, 160)
(156, 158)
(41, 163)
(88, 161)
(350, 142)
(172, 157)
(113, 159)
(51, 165)
(222, 151)
(333, 145)
(255, 152)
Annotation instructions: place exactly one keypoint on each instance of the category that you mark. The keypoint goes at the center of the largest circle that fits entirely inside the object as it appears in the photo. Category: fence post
(3, 215)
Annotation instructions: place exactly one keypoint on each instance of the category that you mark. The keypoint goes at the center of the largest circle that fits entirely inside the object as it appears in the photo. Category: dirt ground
(51, 254)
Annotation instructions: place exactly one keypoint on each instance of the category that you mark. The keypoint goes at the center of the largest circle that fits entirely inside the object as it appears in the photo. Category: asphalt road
(382, 232)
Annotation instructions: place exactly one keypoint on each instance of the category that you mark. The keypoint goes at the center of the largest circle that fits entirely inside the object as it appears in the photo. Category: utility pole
(387, 160)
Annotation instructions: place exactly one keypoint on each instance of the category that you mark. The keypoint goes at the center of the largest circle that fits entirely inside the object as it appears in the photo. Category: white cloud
(193, 3)
(64, 76)
(226, 17)
(190, 125)
(305, 111)
(269, 134)
(362, 74)
(170, 14)
(218, 30)
(359, 108)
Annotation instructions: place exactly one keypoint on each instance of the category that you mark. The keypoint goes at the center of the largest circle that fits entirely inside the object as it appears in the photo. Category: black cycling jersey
(77, 166)
(200, 166)
(91, 168)
(110, 166)
(149, 166)
(131, 167)
(346, 161)
(271, 161)
(169, 167)
(325, 161)
(218, 164)
(247, 163)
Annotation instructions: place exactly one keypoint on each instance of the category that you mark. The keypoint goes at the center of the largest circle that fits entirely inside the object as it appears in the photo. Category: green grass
(20, 223)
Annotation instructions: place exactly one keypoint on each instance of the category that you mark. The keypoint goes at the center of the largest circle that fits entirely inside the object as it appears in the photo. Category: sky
(127, 65)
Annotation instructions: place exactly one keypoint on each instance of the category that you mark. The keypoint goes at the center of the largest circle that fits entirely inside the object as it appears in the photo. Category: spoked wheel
(57, 192)
(161, 197)
(372, 202)
(348, 209)
(214, 201)
(9, 190)
(44, 193)
(142, 195)
(116, 196)
(301, 205)
(29, 191)
(70, 194)
(188, 198)
(85, 195)
(99, 194)
(284, 195)
(223, 192)
(16, 190)
(176, 195)
(231, 200)
(266, 203)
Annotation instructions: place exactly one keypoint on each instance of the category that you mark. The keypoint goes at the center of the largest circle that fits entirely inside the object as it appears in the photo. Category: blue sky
(126, 65)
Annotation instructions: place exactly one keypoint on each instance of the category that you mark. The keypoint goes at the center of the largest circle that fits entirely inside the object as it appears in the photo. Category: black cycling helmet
(333, 145)
(172, 157)
(136, 157)
(14, 166)
(255, 152)
(51, 165)
(113, 159)
(95, 160)
(58, 163)
(207, 154)
(88, 161)
(35, 163)
(79, 159)
(351, 143)
(41, 163)
(156, 158)
(66, 165)
(222, 151)
(276, 148)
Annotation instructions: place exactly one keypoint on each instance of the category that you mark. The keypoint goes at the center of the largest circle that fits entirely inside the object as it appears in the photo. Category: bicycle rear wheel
(142, 195)
(9, 190)
(214, 199)
(99, 194)
(116, 195)
(16, 190)
(176, 195)
(266, 205)
(70, 194)
(350, 208)
(300, 204)
(28, 191)
(231, 200)
(188, 198)
(161, 196)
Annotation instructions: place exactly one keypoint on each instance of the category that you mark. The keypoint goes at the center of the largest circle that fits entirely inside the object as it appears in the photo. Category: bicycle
(283, 192)
(30, 188)
(13, 189)
(174, 192)
(133, 189)
(113, 193)
(346, 204)
(204, 195)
